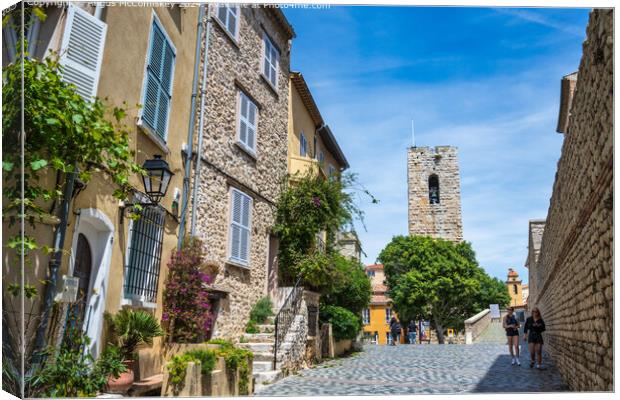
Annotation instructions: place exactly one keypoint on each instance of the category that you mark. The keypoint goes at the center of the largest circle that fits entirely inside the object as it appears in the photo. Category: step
(263, 356)
(257, 347)
(259, 337)
(266, 377)
(262, 366)
(266, 328)
(147, 385)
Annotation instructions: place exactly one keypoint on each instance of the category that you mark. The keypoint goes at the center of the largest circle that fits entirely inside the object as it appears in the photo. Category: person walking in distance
(511, 325)
(411, 331)
(532, 333)
(395, 330)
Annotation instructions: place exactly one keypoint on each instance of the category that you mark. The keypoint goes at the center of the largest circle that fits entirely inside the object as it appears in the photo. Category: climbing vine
(306, 208)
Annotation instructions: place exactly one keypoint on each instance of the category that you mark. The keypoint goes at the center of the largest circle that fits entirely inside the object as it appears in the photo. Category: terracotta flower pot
(123, 383)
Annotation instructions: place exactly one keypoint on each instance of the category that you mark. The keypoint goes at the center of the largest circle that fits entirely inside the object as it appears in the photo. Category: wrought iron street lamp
(157, 178)
(155, 181)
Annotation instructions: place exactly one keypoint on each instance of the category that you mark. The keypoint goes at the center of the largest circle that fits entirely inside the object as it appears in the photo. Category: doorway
(82, 270)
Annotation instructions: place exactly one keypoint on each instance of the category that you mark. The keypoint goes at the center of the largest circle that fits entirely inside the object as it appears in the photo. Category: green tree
(353, 291)
(439, 280)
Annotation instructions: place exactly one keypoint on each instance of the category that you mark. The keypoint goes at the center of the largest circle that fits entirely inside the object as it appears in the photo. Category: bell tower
(434, 192)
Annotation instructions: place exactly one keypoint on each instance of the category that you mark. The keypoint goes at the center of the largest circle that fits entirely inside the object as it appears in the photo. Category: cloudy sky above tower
(486, 80)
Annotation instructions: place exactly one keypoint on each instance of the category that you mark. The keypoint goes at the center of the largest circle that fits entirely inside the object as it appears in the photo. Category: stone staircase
(261, 344)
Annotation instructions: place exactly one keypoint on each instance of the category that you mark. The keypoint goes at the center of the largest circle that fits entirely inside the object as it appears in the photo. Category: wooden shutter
(240, 226)
(158, 86)
(248, 113)
(82, 51)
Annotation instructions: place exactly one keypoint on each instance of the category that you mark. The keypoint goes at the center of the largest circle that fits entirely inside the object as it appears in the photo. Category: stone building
(535, 232)
(434, 192)
(242, 153)
(574, 271)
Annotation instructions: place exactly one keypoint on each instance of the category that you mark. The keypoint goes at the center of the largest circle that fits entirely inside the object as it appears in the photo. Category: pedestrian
(395, 330)
(532, 333)
(411, 331)
(511, 325)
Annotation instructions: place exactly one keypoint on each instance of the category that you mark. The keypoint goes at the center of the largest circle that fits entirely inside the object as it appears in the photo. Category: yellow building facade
(515, 289)
(376, 318)
(311, 143)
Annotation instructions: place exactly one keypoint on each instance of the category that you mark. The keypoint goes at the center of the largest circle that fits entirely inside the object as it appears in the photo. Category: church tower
(434, 191)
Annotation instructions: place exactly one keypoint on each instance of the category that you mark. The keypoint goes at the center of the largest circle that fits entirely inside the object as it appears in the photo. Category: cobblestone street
(421, 369)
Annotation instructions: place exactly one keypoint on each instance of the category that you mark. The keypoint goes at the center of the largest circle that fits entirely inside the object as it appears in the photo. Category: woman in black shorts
(534, 327)
(511, 325)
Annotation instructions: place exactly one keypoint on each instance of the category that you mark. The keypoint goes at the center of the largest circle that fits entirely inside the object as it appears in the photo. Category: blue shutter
(158, 91)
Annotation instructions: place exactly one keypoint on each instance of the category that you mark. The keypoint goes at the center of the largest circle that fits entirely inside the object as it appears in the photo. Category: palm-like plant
(133, 328)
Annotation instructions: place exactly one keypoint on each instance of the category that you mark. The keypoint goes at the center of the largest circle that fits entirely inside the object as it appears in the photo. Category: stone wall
(441, 220)
(477, 324)
(574, 274)
(235, 65)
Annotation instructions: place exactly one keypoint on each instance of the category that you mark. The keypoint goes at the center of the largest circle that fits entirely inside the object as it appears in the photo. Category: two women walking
(532, 334)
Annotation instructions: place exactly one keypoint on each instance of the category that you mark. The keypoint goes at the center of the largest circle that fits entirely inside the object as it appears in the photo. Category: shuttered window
(246, 122)
(158, 81)
(81, 51)
(229, 17)
(240, 221)
(144, 255)
(270, 61)
(303, 145)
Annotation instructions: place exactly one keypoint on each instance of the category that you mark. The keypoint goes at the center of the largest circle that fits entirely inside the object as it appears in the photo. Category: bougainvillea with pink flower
(187, 309)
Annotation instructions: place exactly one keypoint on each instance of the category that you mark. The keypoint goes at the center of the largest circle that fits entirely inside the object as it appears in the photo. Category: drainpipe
(98, 10)
(54, 265)
(190, 130)
(200, 127)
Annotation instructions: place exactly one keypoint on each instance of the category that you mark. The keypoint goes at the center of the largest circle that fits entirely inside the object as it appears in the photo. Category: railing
(285, 317)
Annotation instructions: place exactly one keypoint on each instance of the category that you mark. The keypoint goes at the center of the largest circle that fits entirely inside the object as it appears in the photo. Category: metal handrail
(285, 317)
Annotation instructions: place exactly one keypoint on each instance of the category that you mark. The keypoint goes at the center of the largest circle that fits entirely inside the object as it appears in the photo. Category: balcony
(302, 165)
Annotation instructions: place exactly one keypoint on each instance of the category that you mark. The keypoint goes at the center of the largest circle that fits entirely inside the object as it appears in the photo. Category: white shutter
(241, 205)
(247, 121)
(82, 51)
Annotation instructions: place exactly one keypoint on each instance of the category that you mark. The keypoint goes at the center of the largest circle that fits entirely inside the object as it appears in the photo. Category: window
(321, 157)
(514, 289)
(366, 316)
(331, 171)
(388, 315)
(270, 62)
(314, 147)
(158, 81)
(303, 145)
(370, 273)
(81, 51)
(246, 122)
(240, 222)
(144, 255)
(229, 17)
(433, 189)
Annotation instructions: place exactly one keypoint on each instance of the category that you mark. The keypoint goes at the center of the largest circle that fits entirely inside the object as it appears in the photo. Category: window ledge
(246, 149)
(159, 142)
(271, 86)
(234, 40)
(237, 264)
(138, 303)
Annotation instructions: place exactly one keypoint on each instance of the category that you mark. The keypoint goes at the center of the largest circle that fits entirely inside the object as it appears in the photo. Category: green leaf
(39, 13)
(7, 166)
(38, 164)
(77, 118)
(52, 121)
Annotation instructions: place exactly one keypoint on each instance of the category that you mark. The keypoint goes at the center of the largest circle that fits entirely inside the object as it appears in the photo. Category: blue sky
(482, 79)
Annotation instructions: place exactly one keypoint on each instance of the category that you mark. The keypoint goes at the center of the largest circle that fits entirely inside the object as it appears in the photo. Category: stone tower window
(433, 189)
(514, 288)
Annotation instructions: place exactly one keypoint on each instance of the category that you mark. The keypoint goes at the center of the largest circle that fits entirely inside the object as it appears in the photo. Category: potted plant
(131, 329)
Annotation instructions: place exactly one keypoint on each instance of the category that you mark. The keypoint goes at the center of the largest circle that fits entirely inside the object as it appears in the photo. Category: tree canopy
(439, 280)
